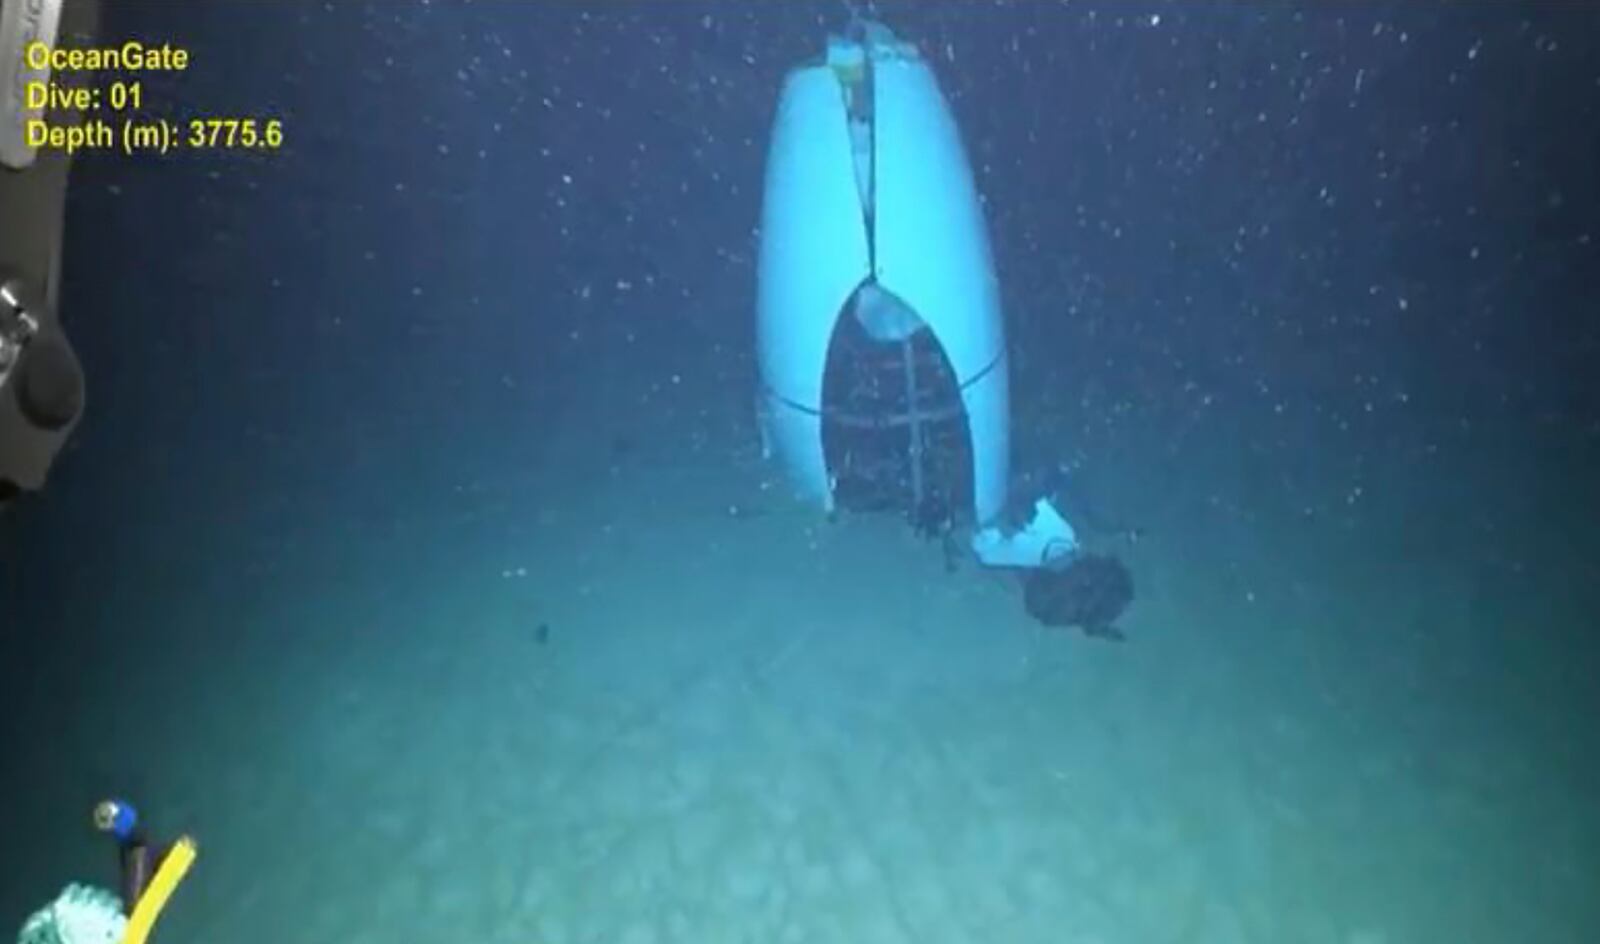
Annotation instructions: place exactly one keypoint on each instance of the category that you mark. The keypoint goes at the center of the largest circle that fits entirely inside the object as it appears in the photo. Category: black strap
(987, 369)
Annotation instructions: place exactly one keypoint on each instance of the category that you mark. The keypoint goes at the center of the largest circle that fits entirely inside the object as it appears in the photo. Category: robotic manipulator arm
(86, 914)
(41, 381)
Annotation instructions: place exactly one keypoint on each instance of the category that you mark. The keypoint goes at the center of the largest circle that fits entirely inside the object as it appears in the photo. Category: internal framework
(894, 430)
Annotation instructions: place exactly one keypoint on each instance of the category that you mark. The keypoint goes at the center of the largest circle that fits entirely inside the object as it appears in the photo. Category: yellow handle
(171, 871)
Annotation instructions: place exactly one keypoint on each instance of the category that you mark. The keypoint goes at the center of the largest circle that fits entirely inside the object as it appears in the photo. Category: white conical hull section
(926, 245)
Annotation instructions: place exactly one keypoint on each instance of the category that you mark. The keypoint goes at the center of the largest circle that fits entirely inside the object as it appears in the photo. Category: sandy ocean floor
(743, 724)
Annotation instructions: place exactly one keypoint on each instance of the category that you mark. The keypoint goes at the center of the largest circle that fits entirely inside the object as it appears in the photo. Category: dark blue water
(1304, 292)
